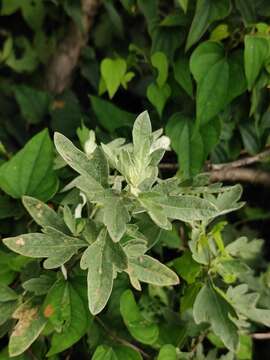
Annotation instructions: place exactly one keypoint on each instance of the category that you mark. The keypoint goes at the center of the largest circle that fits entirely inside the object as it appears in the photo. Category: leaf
(160, 62)
(158, 96)
(104, 352)
(33, 11)
(7, 294)
(255, 54)
(113, 71)
(167, 352)
(187, 143)
(34, 104)
(43, 214)
(184, 4)
(187, 267)
(182, 74)
(246, 304)
(141, 329)
(211, 71)
(102, 259)
(96, 166)
(188, 208)
(116, 217)
(27, 61)
(39, 285)
(30, 171)
(151, 271)
(29, 326)
(65, 310)
(54, 245)
(110, 116)
(211, 307)
(207, 11)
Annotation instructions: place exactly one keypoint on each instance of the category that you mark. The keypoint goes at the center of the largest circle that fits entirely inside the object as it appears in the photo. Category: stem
(121, 340)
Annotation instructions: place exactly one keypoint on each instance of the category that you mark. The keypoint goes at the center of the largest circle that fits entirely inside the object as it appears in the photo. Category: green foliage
(130, 260)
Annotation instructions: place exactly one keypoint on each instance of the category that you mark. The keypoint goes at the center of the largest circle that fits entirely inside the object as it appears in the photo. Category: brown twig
(252, 176)
(121, 340)
(61, 66)
(261, 336)
(242, 162)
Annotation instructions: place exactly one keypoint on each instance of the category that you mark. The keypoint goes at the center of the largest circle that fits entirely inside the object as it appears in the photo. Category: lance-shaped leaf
(102, 259)
(211, 307)
(29, 326)
(65, 310)
(54, 245)
(104, 352)
(116, 217)
(149, 270)
(188, 208)
(43, 214)
(96, 166)
(7, 294)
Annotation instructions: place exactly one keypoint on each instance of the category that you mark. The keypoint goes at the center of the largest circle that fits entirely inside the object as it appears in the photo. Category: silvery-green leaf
(102, 259)
(151, 271)
(141, 134)
(187, 208)
(211, 307)
(54, 245)
(88, 185)
(116, 217)
(43, 214)
(95, 166)
(29, 326)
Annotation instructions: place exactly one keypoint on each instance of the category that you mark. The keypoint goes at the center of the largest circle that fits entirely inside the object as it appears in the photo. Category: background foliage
(201, 69)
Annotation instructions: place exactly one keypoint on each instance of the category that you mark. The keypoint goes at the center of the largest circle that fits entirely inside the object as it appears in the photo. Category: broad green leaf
(207, 11)
(110, 116)
(212, 92)
(160, 62)
(189, 296)
(34, 104)
(158, 96)
(43, 214)
(102, 259)
(187, 143)
(104, 352)
(245, 348)
(255, 54)
(220, 33)
(29, 326)
(30, 171)
(54, 245)
(237, 78)
(113, 71)
(95, 166)
(182, 74)
(39, 285)
(187, 267)
(151, 271)
(167, 352)
(140, 328)
(211, 307)
(64, 308)
(7, 294)
(116, 217)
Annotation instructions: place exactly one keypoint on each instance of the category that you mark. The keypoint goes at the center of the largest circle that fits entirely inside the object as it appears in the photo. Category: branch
(121, 340)
(61, 66)
(261, 336)
(252, 176)
(242, 162)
